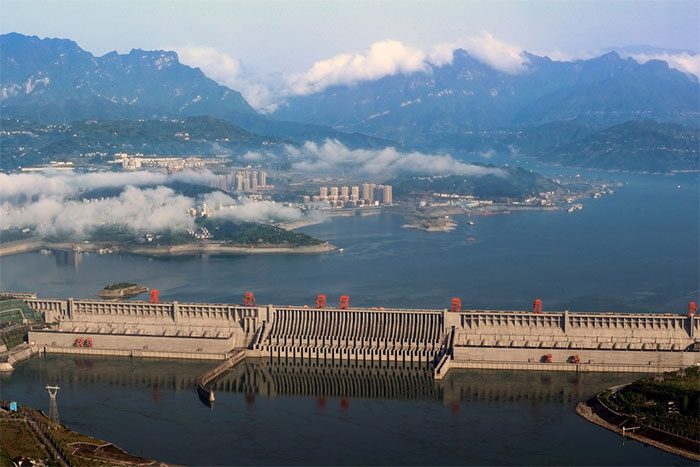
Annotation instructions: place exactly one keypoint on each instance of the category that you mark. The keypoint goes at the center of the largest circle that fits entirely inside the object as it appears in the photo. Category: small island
(431, 224)
(121, 290)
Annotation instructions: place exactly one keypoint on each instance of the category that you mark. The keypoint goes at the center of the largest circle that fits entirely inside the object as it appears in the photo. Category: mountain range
(467, 95)
(464, 106)
(55, 81)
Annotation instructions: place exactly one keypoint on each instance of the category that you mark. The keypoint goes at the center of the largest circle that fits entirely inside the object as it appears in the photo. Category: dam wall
(407, 336)
(440, 339)
(563, 360)
(132, 345)
(153, 319)
(567, 330)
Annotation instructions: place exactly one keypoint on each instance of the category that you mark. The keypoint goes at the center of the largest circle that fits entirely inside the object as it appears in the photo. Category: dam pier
(437, 339)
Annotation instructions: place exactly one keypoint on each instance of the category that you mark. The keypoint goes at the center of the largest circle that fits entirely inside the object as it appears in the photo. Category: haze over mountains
(467, 95)
(462, 105)
(55, 81)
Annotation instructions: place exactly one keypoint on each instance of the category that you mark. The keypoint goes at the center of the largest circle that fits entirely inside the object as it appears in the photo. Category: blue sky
(286, 35)
(237, 40)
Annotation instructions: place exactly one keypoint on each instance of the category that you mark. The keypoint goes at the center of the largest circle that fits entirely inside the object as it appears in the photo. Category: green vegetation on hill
(27, 143)
(14, 312)
(222, 230)
(644, 146)
(515, 183)
(670, 403)
(14, 234)
(252, 233)
(120, 285)
(17, 311)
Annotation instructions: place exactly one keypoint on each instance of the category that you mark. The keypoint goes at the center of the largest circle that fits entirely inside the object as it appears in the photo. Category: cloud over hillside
(332, 157)
(50, 203)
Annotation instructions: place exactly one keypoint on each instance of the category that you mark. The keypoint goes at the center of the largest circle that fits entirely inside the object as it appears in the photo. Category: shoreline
(593, 411)
(327, 214)
(26, 246)
(33, 435)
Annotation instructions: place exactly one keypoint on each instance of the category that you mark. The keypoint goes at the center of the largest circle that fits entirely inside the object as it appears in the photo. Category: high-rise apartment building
(367, 191)
(355, 193)
(323, 193)
(239, 181)
(387, 198)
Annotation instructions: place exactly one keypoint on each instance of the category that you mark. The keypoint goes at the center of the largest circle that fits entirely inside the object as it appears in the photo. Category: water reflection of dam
(267, 378)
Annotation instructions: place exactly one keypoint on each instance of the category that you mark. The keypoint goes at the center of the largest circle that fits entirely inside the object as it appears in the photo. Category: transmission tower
(53, 407)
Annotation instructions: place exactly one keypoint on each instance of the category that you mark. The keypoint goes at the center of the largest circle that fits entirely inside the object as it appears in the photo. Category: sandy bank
(431, 225)
(161, 250)
(20, 246)
(222, 248)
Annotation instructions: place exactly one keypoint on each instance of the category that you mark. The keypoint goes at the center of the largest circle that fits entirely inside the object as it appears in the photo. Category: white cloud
(487, 154)
(138, 209)
(218, 66)
(252, 156)
(245, 209)
(332, 157)
(225, 69)
(53, 208)
(391, 57)
(67, 184)
(383, 58)
(681, 61)
(497, 54)
(685, 62)
(558, 56)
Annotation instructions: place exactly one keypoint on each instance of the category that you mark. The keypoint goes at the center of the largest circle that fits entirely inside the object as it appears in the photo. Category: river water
(636, 250)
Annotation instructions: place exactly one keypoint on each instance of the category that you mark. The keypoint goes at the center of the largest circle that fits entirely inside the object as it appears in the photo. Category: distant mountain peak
(76, 85)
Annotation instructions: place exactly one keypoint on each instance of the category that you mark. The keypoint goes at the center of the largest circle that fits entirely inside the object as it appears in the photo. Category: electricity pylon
(53, 408)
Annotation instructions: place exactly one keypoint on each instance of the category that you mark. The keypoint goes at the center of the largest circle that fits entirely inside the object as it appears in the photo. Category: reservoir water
(636, 250)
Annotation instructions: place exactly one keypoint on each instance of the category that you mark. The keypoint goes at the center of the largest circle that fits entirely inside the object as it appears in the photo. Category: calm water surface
(265, 414)
(634, 251)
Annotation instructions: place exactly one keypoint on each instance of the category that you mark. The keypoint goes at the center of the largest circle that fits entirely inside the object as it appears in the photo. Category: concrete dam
(434, 339)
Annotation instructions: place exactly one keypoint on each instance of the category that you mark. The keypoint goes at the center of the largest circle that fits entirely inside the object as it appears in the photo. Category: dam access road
(438, 340)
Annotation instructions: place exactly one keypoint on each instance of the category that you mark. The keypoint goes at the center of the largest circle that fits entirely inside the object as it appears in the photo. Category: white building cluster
(242, 181)
(371, 194)
(250, 181)
(166, 163)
